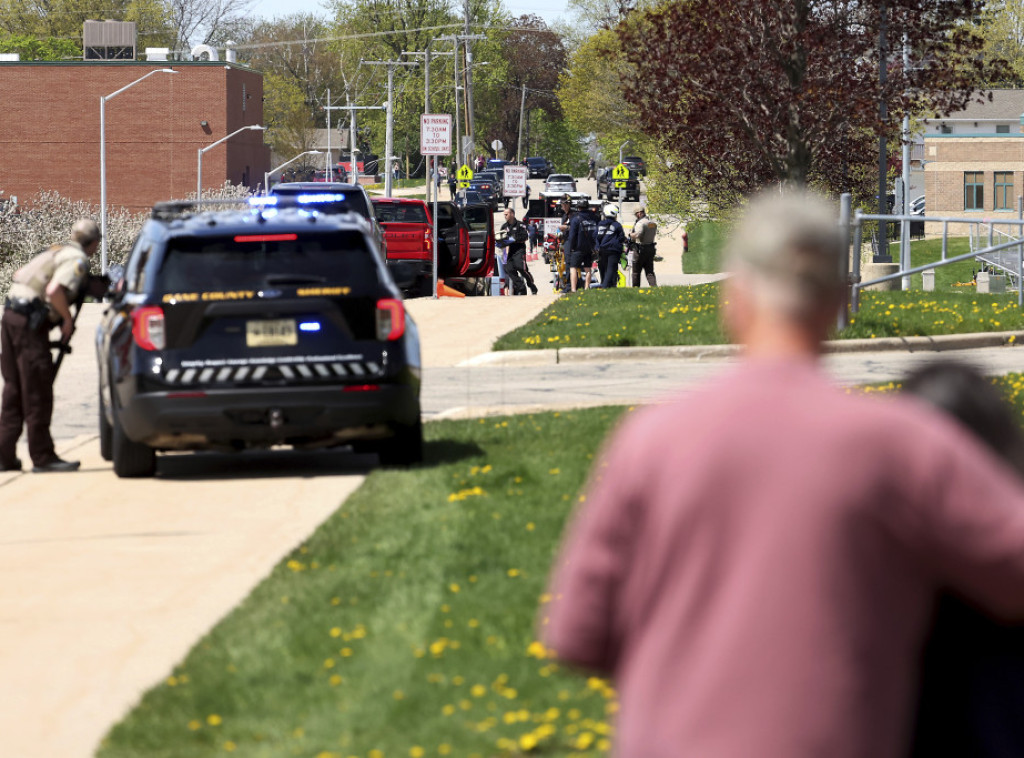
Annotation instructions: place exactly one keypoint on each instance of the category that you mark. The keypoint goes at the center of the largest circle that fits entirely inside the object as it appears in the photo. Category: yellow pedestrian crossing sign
(464, 175)
(620, 174)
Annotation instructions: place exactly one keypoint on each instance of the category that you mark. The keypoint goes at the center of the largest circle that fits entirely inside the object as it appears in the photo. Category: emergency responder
(513, 237)
(39, 299)
(579, 245)
(610, 240)
(643, 234)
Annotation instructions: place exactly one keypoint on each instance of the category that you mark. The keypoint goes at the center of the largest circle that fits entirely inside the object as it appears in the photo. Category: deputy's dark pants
(27, 369)
(644, 262)
(608, 265)
(517, 272)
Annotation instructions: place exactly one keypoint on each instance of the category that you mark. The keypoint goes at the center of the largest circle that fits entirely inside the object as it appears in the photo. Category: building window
(1004, 190)
(1002, 128)
(945, 129)
(974, 191)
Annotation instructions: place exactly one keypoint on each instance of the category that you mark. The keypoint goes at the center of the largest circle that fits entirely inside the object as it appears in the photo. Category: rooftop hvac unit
(157, 53)
(109, 40)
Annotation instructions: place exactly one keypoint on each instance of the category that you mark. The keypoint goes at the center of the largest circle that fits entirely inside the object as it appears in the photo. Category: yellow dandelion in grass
(194, 725)
(345, 652)
(335, 680)
(584, 741)
(375, 754)
(444, 748)
(465, 704)
(509, 717)
(527, 741)
(230, 746)
(554, 471)
(536, 649)
(472, 623)
(214, 720)
(416, 752)
(530, 526)
(453, 587)
(335, 631)
(329, 663)
(478, 690)
(513, 572)
(448, 710)
(458, 681)
(398, 695)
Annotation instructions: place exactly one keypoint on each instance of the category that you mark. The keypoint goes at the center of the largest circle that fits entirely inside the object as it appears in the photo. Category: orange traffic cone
(443, 290)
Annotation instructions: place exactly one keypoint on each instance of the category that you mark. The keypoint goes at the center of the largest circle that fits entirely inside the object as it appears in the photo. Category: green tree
(40, 49)
(1002, 27)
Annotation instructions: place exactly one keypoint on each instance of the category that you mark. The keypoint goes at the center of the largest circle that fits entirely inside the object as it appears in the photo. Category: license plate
(271, 333)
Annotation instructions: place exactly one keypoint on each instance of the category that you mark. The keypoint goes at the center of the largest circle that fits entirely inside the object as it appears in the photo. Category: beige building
(974, 161)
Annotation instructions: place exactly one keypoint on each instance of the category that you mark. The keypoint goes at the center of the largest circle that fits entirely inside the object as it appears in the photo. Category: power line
(366, 35)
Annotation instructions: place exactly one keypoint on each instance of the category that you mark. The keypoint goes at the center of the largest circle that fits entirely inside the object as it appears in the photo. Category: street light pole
(199, 168)
(103, 160)
(266, 176)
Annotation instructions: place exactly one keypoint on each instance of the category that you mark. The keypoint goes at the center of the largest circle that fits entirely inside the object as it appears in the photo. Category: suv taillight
(428, 241)
(390, 319)
(148, 327)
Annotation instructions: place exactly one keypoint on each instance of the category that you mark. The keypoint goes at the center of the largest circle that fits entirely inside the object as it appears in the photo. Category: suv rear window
(401, 213)
(206, 264)
(477, 217)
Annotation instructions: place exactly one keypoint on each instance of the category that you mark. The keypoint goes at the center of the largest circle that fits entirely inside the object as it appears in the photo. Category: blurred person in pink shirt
(756, 562)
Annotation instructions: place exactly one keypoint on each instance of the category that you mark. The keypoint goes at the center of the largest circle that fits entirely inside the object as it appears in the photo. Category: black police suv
(277, 325)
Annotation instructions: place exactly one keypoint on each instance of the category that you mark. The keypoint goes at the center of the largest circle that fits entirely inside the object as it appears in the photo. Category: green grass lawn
(948, 278)
(405, 625)
(705, 247)
(690, 316)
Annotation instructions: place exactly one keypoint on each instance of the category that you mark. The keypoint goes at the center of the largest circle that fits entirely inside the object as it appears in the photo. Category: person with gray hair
(39, 299)
(754, 563)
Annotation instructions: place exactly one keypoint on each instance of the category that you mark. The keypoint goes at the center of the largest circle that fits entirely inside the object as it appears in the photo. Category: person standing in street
(762, 584)
(513, 237)
(591, 165)
(610, 240)
(579, 245)
(39, 299)
(643, 233)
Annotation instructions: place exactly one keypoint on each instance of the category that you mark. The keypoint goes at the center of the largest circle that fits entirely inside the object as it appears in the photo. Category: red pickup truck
(465, 243)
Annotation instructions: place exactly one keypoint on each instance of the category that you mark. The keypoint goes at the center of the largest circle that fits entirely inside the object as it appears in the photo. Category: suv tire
(405, 448)
(132, 460)
(106, 432)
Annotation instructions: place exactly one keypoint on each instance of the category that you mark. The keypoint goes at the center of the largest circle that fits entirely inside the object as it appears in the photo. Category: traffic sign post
(496, 145)
(620, 174)
(435, 140)
(464, 175)
(515, 181)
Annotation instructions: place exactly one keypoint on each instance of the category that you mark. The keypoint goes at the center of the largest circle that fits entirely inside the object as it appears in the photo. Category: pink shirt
(755, 565)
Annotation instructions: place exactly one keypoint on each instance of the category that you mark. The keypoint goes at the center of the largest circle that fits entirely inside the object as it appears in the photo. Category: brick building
(50, 129)
(974, 160)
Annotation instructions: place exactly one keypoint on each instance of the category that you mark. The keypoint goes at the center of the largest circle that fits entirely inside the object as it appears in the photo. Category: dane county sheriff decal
(211, 297)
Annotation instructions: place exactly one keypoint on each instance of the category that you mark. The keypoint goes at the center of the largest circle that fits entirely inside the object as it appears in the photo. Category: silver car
(559, 183)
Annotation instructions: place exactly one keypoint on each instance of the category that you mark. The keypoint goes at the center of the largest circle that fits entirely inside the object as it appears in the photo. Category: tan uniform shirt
(67, 265)
(645, 230)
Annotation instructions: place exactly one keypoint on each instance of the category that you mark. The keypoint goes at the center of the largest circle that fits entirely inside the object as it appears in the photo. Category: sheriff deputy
(39, 299)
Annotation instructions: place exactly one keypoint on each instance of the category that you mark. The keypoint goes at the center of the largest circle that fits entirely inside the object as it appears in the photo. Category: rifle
(97, 287)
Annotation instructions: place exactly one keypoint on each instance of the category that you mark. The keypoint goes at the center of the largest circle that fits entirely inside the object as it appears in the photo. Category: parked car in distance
(338, 174)
(232, 330)
(496, 164)
(497, 179)
(471, 197)
(559, 183)
(917, 206)
(635, 164)
(409, 233)
(606, 186)
(487, 189)
(538, 167)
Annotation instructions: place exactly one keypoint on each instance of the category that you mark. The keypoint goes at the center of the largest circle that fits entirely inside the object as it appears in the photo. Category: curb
(936, 343)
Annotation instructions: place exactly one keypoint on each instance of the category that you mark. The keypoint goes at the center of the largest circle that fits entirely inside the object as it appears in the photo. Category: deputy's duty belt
(22, 305)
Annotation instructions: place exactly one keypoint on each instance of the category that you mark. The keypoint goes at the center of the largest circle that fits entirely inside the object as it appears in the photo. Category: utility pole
(905, 210)
(882, 254)
(352, 127)
(328, 161)
(390, 129)
(522, 109)
(469, 77)
(427, 55)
